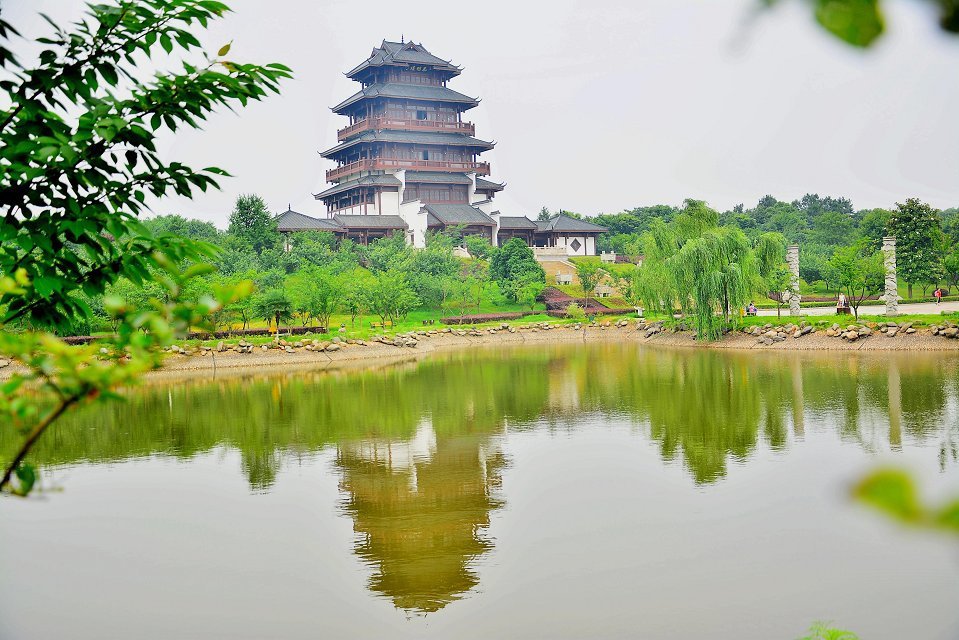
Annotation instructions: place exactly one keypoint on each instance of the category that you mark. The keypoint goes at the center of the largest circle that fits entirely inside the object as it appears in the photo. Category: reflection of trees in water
(701, 407)
(420, 514)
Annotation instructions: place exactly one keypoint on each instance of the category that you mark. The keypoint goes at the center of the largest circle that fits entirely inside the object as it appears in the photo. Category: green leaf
(27, 476)
(166, 43)
(948, 516)
(891, 491)
(858, 22)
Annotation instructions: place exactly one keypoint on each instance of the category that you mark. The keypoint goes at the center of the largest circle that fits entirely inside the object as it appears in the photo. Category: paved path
(872, 310)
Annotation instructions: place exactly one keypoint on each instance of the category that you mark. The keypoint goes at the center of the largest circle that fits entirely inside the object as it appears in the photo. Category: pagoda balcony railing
(377, 123)
(373, 164)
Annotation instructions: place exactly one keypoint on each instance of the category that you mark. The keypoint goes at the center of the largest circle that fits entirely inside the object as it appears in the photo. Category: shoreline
(375, 353)
(365, 354)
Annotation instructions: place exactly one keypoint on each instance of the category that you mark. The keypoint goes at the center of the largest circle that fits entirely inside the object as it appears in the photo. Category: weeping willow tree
(719, 271)
(704, 270)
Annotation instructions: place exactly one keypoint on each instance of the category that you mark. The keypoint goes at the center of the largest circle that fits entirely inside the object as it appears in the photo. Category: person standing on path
(938, 294)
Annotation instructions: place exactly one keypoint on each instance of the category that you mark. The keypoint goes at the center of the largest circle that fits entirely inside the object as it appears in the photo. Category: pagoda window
(421, 114)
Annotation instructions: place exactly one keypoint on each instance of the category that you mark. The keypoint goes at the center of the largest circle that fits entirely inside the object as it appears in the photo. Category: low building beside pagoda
(409, 162)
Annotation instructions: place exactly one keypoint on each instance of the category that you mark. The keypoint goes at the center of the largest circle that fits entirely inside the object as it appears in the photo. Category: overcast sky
(603, 105)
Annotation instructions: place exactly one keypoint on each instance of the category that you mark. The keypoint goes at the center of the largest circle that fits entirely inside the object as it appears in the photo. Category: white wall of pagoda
(415, 218)
(471, 195)
(389, 203)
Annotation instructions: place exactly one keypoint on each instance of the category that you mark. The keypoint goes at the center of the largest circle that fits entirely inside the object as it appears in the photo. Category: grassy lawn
(917, 292)
(919, 320)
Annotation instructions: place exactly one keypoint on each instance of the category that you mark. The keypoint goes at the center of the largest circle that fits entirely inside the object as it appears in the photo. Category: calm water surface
(573, 492)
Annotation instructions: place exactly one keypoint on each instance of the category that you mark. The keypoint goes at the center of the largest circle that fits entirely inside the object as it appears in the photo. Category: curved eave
(452, 97)
(464, 141)
(449, 69)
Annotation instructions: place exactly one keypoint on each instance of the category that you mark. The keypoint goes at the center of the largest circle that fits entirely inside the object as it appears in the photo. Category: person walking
(938, 294)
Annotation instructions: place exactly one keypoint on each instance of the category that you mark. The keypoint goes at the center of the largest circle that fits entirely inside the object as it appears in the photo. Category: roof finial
(402, 39)
(289, 206)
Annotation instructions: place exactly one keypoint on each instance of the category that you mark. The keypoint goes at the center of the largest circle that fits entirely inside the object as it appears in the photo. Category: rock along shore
(243, 357)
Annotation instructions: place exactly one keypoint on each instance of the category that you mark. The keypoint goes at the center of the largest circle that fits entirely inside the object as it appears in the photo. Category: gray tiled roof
(397, 53)
(290, 220)
(437, 177)
(370, 222)
(510, 222)
(411, 91)
(365, 181)
(565, 224)
(457, 214)
(411, 137)
(488, 185)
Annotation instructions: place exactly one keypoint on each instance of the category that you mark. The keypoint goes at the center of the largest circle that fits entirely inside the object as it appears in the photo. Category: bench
(429, 322)
(843, 311)
(381, 325)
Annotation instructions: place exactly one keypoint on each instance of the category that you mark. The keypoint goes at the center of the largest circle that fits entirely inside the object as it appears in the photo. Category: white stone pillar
(892, 282)
(792, 259)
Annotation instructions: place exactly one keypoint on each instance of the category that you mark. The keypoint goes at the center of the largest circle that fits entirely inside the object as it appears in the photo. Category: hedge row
(207, 335)
(487, 317)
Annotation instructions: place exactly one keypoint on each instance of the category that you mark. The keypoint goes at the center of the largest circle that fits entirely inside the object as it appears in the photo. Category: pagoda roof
(517, 222)
(422, 92)
(370, 222)
(437, 177)
(374, 180)
(565, 224)
(403, 54)
(488, 185)
(456, 214)
(291, 220)
(411, 137)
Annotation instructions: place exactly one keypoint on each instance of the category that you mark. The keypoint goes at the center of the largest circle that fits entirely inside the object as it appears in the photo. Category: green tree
(950, 266)
(274, 306)
(529, 292)
(629, 287)
(177, 225)
(79, 161)
(356, 292)
(316, 293)
(590, 272)
(858, 273)
(873, 227)
(917, 230)
(707, 270)
(719, 271)
(514, 264)
(391, 296)
(389, 253)
(832, 229)
(478, 247)
(778, 281)
(252, 223)
(430, 267)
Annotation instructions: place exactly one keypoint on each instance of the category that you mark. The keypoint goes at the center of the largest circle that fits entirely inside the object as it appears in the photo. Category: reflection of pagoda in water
(420, 509)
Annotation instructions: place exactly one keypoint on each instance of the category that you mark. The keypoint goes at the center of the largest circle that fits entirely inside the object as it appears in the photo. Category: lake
(600, 491)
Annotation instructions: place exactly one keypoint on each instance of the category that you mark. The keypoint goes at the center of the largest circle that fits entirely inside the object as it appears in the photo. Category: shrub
(575, 312)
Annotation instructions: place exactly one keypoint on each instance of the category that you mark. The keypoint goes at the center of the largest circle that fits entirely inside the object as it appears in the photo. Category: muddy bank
(411, 347)
(348, 354)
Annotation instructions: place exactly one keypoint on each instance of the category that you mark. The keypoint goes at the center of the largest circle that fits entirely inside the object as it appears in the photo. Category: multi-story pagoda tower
(407, 155)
